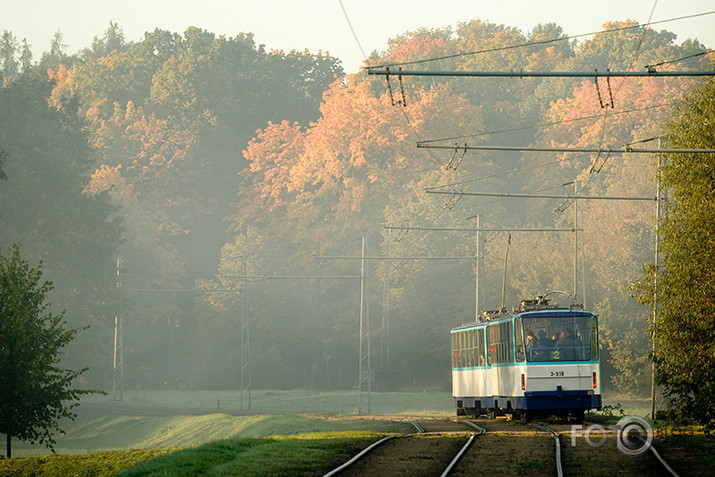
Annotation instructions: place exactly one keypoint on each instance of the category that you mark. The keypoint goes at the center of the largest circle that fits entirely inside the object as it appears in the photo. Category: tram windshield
(573, 338)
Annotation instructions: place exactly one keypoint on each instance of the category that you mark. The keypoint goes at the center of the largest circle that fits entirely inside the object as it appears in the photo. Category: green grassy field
(163, 419)
(153, 433)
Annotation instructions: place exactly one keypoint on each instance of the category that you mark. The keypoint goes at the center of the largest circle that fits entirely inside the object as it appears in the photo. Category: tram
(537, 360)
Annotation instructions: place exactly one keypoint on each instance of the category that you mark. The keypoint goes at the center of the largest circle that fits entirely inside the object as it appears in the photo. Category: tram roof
(546, 312)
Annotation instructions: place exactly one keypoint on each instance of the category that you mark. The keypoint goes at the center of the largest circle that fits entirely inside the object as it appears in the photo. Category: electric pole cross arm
(650, 72)
(594, 150)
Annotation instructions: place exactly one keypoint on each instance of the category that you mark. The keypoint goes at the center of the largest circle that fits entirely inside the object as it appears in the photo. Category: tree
(684, 330)
(8, 51)
(34, 390)
(25, 56)
(44, 206)
(3, 157)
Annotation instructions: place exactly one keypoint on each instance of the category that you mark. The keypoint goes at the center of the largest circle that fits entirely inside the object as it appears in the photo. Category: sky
(321, 25)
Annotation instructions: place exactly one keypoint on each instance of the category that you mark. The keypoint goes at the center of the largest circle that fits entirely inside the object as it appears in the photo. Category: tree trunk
(9, 449)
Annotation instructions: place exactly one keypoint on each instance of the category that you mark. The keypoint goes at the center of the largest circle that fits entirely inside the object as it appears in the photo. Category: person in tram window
(580, 346)
(530, 344)
(566, 346)
(543, 347)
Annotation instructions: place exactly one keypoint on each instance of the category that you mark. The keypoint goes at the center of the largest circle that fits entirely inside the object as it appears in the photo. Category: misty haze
(249, 241)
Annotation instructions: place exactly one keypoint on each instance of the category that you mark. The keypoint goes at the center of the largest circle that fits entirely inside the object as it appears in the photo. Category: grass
(312, 454)
(293, 401)
(157, 433)
(163, 419)
(102, 464)
(305, 429)
(270, 456)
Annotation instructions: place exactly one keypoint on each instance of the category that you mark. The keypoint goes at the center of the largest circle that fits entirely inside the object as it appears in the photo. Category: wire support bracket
(604, 104)
(400, 102)
(454, 154)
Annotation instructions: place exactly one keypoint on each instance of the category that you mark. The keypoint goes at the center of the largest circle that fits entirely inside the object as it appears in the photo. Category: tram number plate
(557, 373)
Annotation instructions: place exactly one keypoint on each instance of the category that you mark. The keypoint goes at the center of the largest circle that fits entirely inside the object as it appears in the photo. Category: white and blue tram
(537, 360)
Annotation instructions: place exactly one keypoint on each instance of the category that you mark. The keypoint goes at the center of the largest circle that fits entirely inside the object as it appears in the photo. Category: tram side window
(480, 344)
(499, 342)
(519, 337)
(466, 351)
(470, 343)
(492, 343)
(463, 349)
(507, 338)
(594, 339)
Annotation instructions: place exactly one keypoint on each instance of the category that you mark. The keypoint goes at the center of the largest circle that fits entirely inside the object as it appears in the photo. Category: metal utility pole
(477, 230)
(245, 339)
(575, 240)
(118, 359)
(364, 353)
(478, 260)
(503, 282)
(655, 287)
(385, 335)
(245, 328)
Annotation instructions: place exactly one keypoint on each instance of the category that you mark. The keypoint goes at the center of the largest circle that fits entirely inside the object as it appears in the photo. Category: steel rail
(471, 424)
(559, 469)
(459, 455)
(420, 429)
(366, 450)
(358, 456)
(661, 459)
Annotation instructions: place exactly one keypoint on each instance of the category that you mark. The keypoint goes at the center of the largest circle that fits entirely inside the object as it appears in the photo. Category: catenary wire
(541, 42)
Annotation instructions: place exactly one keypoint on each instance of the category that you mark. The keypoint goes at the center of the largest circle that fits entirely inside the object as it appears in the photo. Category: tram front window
(561, 339)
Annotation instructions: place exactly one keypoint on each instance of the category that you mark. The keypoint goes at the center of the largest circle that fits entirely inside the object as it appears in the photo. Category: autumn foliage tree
(216, 151)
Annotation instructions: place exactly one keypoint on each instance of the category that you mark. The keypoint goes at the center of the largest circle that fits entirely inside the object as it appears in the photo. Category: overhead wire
(649, 66)
(347, 18)
(547, 124)
(618, 88)
(450, 203)
(541, 42)
(401, 103)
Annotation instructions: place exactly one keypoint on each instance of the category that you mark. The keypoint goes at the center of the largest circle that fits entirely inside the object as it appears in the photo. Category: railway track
(497, 447)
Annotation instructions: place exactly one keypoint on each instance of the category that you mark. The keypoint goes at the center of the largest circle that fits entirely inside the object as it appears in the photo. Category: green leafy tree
(3, 157)
(35, 392)
(8, 53)
(44, 206)
(684, 331)
(25, 56)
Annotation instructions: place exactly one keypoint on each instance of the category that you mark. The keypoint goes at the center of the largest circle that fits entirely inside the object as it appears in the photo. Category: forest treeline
(147, 176)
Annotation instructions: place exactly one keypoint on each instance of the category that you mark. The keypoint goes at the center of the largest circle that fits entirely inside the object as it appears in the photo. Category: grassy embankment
(187, 433)
(285, 433)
